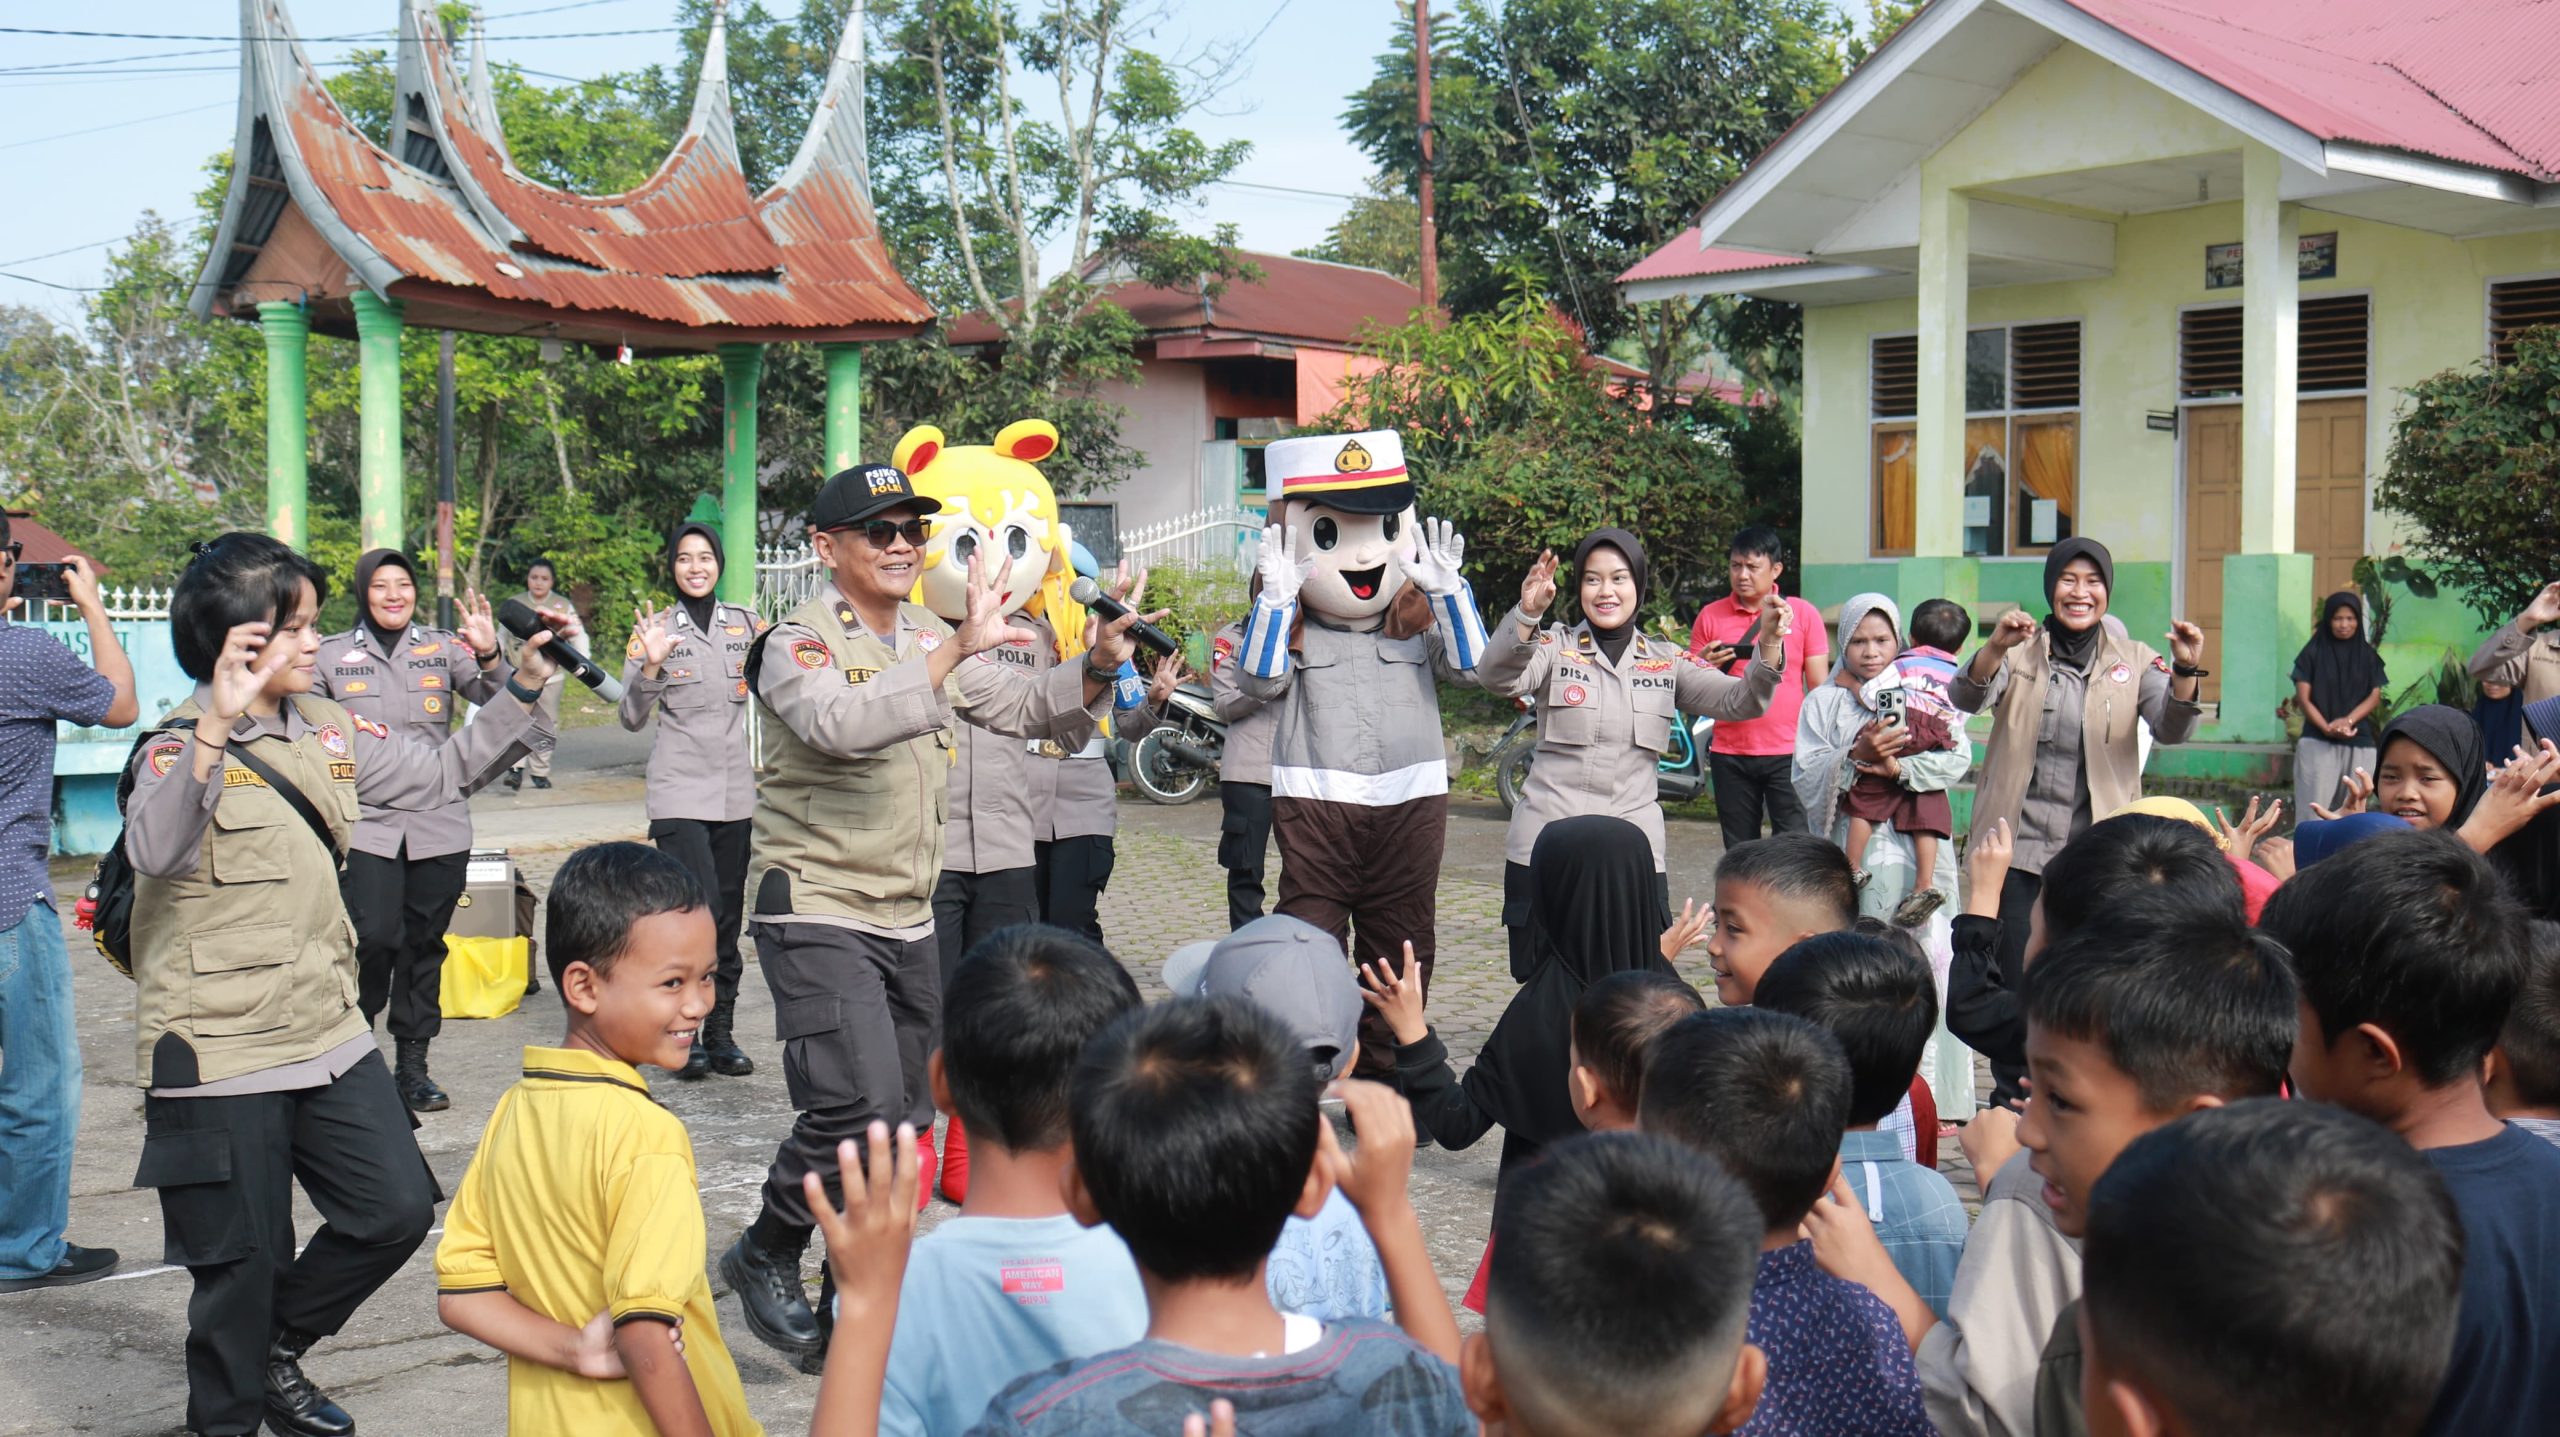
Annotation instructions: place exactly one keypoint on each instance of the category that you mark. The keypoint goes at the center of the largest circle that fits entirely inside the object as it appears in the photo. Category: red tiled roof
(2464, 80)
(1684, 259)
(1296, 300)
(42, 545)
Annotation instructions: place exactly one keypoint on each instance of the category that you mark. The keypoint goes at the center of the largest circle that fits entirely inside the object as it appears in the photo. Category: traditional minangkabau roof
(450, 227)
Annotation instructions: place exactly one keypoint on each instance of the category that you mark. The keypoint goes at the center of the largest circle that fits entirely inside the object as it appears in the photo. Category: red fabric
(2257, 885)
(1474, 1300)
(1924, 1124)
(1774, 732)
(955, 1162)
(925, 1166)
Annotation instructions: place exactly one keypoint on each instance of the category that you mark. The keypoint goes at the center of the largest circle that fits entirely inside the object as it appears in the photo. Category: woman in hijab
(687, 666)
(1608, 695)
(2337, 683)
(2434, 774)
(1595, 909)
(1836, 731)
(2069, 700)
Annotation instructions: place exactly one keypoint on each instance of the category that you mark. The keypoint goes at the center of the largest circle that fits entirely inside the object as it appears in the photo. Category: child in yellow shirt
(576, 1243)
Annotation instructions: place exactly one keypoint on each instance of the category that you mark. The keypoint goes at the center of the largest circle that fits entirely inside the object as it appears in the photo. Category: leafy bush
(2475, 461)
(1205, 596)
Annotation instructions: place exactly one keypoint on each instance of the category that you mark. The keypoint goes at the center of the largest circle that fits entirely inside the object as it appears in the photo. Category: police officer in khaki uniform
(1607, 694)
(1244, 779)
(260, 1066)
(407, 869)
(859, 690)
(688, 665)
(2525, 652)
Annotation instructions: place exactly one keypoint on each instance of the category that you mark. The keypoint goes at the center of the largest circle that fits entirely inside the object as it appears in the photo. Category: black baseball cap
(856, 494)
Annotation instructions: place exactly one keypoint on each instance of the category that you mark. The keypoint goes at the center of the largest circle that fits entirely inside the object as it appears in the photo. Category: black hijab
(699, 610)
(1594, 910)
(366, 567)
(1613, 642)
(2074, 648)
(2341, 672)
(2453, 740)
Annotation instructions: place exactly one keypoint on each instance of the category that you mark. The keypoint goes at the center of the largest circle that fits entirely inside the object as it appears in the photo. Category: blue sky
(85, 155)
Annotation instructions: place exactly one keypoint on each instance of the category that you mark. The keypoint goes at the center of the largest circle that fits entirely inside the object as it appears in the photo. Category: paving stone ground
(106, 1358)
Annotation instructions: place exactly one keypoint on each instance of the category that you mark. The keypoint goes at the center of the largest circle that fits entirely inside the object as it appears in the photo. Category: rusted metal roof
(688, 260)
(1300, 301)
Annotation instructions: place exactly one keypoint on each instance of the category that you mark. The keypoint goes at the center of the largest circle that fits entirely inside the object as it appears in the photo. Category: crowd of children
(2288, 1175)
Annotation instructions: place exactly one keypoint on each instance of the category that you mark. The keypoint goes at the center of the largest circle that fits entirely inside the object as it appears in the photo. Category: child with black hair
(1014, 1283)
(1564, 1353)
(2172, 1006)
(1615, 1023)
(2524, 1069)
(2279, 1269)
(1914, 687)
(1880, 1001)
(576, 1242)
(1769, 893)
(2411, 954)
(1196, 1135)
(1767, 1094)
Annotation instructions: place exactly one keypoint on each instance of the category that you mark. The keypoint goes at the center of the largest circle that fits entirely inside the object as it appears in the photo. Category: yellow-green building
(2027, 236)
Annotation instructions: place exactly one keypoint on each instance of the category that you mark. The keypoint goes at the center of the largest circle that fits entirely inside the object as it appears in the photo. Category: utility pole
(444, 481)
(1422, 117)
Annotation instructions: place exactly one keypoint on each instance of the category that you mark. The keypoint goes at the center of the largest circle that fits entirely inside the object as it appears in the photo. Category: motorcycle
(1173, 762)
(1679, 776)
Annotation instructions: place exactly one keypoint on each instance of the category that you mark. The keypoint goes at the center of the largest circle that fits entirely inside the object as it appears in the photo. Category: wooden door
(2213, 523)
(2328, 501)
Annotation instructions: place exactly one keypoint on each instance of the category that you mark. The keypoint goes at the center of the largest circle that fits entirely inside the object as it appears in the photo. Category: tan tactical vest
(249, 962)
(858, 838)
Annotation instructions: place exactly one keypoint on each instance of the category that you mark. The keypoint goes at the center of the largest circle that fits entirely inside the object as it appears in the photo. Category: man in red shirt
(1749, 759)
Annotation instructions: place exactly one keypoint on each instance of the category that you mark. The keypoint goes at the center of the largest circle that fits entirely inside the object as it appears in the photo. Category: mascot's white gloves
(1266, 629)
(1431, 556)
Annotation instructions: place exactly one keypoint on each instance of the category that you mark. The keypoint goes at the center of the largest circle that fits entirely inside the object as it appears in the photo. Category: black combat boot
(295, 1408)
(409, 1075)
(763, 1268)
(719, 1043)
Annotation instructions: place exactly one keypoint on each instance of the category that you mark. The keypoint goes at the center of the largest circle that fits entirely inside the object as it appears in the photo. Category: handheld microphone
(1088, 593)
(519, 618)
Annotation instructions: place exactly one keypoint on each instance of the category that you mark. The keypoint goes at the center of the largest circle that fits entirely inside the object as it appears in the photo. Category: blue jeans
(39, 1093)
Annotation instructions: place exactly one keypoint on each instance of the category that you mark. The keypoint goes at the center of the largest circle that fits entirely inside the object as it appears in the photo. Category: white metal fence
(134, 603)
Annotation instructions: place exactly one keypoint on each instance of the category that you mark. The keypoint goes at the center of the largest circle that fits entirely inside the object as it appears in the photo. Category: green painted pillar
(1918, 580)
(384, 514)
(741, 366)
(288, 333)
(844, 406)
(2266, 619)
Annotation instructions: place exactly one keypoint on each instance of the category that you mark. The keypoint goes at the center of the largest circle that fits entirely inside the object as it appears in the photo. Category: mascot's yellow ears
(999, 507)
(1029, 440)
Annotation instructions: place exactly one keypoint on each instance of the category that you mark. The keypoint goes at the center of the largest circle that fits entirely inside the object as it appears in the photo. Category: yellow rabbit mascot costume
(1006, 795)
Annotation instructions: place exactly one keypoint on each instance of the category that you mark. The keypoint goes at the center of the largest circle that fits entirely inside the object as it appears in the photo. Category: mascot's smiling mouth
(1364, 582)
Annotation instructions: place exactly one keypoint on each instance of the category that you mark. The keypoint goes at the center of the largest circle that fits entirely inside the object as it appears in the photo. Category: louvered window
(2045, 366)
(2520, 304)
(1894, 377)
(2209, 353)
(2329, 344)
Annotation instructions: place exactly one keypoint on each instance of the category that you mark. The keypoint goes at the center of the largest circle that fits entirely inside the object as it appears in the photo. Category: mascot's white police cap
(1356, 473)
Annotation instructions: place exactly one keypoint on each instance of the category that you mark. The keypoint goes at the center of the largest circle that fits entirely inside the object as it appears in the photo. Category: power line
(75, 249)
(1286, 190)
(551, 9)
(93, 64)
(118, 125)
(325, 39)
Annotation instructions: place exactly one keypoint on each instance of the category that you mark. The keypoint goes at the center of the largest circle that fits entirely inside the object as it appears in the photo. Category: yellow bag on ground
(483, 977)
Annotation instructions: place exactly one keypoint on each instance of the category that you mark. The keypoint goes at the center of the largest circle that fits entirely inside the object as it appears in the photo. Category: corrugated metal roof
(1683, 259)
(1302, 300)
(688, 258)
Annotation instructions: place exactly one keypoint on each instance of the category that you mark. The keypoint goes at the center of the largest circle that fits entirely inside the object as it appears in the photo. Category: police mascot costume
(1360, 612)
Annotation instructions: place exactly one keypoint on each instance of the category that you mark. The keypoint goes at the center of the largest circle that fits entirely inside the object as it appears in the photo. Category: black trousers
(401, 907)
(1073, 872)
(717, 854)
(225, 1169)
(1244, 840)
(857, 1015)
(2018, 893)
(1749, 786)
(969, 906)
(1516, 890)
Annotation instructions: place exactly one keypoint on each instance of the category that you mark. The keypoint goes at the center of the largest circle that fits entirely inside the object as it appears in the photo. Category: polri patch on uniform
(333, 740)
(733, 629)
(431, 681)
(860, 676)
(434, 705)
(343, 770)
(356, 656)
(2160, 663)
(1222, 652)
(809, 653)
(928, 640)
(367, 726)
(422, 650)
(1653, 666)
(742, 688)
(2120, 674)
(359, 686)
(1575, 695)
(164, 756)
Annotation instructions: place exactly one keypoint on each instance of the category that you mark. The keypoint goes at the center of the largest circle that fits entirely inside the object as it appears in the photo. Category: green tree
(1574, 139)
(2475, 461)
(1382, 230)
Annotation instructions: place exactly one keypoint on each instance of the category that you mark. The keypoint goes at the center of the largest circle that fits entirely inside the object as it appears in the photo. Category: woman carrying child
(1608, 695)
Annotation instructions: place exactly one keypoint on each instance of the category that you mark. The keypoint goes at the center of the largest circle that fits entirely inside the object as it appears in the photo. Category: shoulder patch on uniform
(164, 756)
(809, 653)
(1222, 651)
(2159, 663)
(928, 640)
(368, 727)
(333, 740)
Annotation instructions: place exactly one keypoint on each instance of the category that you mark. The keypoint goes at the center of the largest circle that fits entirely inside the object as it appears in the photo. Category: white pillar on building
(1946, 230)
(2270, 238)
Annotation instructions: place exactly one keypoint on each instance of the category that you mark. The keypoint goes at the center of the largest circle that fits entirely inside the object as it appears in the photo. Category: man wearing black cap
(859, 688)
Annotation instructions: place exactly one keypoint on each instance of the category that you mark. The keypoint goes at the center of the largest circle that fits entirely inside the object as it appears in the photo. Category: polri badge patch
(333, 740)
(809, 653)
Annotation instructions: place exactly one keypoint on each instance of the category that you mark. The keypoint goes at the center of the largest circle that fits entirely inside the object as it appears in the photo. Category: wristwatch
(1104, 677)
(2189, 671)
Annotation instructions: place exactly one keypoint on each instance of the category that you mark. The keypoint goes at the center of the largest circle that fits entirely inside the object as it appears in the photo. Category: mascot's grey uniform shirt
(1362, 721)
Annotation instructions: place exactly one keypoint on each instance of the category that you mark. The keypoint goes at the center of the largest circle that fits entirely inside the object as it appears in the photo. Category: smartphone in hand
(39, 582)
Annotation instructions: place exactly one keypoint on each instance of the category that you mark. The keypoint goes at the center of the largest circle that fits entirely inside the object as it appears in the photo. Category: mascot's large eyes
(1327, 533)
(1017, 541)
(962, 548)
(1394, 521)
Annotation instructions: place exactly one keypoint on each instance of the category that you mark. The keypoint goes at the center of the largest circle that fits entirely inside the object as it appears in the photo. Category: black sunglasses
(880, 531)
(14, 549)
